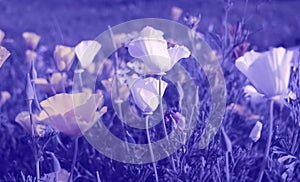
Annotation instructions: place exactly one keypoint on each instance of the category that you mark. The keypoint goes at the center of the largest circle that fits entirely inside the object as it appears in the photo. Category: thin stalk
(37, 167)
(115, 60)
(227, 166)
(79, 74)
(162, 107)
(74, 159)
(62, 83)
(265, 160)
(98, 177)
(163, 117)
(35, 97)
(150, 148)
(37, 163)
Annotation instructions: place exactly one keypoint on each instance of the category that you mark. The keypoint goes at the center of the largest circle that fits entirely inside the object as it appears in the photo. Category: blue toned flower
(145, 93)
(64, 57)
(31, 40)
(256, 131)
(4, 54)
(152, 48)
(269, 72)
(86, 52)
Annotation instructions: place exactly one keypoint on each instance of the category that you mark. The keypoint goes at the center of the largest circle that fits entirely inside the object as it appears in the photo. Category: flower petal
(4, 54)
(178, 52)
(86, 52)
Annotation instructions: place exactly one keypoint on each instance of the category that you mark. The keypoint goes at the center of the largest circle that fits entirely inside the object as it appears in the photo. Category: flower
(2, 35)
(4, 54)
(86, 52)
(256, 131)
(30, 56)
(54, 84)
(145, 93)
(176, 13)
(31, 40)
(152, 48)
(64, 57)
(4, 96)
(23, 119)
(269, 71)
(62, 176)
(72, 114)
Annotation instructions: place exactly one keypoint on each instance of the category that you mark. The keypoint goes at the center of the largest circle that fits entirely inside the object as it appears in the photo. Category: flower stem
(265, 160)
(163, 117)
(37, 167)
(74, 159)
(79, 74)
(161, 106)
(62, 83)
(37, 161)
(150, 148)
(227, 166)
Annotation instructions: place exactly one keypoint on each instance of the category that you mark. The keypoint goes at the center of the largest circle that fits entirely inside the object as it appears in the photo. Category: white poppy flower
(256, 131)
(145, 93)
(269, 72)
(86, 52)
(152, 48)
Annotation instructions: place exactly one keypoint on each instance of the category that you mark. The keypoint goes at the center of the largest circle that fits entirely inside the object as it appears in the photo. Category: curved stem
(163, 116)
(62, 83)
(150, 148)
(35, 150)
(161, 106)
(74, 159)
(227, 166)
(265, 160)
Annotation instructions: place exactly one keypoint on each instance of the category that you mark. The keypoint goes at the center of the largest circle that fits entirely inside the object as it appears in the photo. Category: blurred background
(272, 22)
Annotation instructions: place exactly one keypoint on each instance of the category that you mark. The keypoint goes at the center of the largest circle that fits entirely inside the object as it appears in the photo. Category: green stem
(265, 160)
(150, 148)
(37, 167)
(74, 159)
(98, 177)
(227, 166)
(163, 117)
(79, 74)
(161, 106)
(37, 164)
(62, 83)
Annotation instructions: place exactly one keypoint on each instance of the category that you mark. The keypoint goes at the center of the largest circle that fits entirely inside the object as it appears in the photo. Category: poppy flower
(4, 54)
(64, 57)
(152, 48)
(176, 13)
(30, 56)
(86, 52)
(2, 35)
(23, 119)
(269, 72)
(4, 96)
(54, 84)
(72, 114)
(145, 93)
(31, 40)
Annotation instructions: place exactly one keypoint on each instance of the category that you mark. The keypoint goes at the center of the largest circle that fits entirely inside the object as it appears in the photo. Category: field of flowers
(149, 90)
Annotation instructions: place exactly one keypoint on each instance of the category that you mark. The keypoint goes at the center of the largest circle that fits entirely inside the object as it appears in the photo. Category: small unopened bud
(56, 164)
(29, 89)
(256, 132)
(33, 72)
